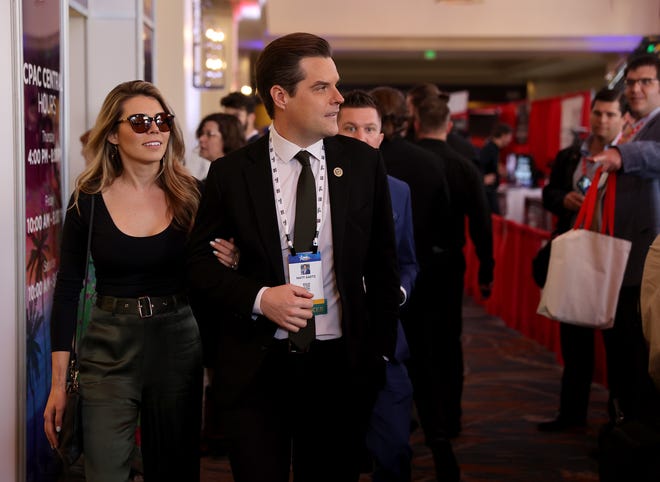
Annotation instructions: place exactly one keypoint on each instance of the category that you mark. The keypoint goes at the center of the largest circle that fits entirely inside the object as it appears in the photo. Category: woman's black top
(126, 266)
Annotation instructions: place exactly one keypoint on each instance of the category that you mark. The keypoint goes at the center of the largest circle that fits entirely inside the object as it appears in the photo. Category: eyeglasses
(141, 123)
(643, 82)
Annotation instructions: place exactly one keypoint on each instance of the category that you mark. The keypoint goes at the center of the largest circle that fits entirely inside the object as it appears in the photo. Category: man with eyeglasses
(637, 218)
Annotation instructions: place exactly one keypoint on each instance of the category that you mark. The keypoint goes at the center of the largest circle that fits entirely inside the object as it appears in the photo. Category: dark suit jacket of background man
(424, 315)
(463, 146)
(637, 219)
(637, 210)
(560, 184)
(458, 143)
(429, 194)
(445, 355)
(467, 198)
(238, 202)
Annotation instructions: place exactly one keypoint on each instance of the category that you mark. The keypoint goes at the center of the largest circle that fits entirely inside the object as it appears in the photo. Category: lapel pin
(338, 171)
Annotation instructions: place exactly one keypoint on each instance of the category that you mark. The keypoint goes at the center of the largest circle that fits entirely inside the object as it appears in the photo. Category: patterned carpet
(511, 384)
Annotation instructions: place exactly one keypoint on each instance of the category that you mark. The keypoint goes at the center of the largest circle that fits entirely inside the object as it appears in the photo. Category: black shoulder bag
(70, 445)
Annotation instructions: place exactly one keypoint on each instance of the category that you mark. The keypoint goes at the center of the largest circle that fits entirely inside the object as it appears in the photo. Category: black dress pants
(433, 323)
(302, 410)
(577, 350)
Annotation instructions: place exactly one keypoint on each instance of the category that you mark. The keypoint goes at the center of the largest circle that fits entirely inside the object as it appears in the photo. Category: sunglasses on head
(141, 123)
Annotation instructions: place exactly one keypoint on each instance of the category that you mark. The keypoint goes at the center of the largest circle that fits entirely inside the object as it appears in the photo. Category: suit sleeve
(557, 188)
(408, 267)
(210, 281)
(641, 158)
(479, 222)
(381, 275)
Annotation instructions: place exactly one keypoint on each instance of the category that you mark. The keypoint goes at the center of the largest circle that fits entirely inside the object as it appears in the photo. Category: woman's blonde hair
(105, 165)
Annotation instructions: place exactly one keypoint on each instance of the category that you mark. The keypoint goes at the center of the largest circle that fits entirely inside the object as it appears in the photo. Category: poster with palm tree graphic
(43, 213)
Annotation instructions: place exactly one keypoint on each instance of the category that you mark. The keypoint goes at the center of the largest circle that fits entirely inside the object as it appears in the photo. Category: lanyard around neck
(279, 201)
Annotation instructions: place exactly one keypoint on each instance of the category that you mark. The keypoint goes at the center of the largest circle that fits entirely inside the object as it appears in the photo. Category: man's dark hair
(238, 100)
(359, 99)
(610, 95)
(391, 105)
(279, 64)
(641, 60)
(421, 91)
(500, 130)
(432, 114)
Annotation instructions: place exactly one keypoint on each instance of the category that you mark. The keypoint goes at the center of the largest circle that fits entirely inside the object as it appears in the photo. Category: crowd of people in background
(315, 367)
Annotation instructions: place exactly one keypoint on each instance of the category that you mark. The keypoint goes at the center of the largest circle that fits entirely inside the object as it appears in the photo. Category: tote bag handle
(586, 214)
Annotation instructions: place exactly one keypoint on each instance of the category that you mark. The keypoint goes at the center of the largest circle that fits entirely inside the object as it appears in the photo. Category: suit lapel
(339, 175)
(643, 132)
(260, 189)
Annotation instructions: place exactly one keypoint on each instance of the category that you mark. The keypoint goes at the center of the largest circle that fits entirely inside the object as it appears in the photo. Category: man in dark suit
(423, 317)
(468, 200)
(286, 401)
(636, 160)
(389, 431)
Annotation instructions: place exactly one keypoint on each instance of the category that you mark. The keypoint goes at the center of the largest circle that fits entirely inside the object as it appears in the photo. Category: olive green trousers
(148, 370)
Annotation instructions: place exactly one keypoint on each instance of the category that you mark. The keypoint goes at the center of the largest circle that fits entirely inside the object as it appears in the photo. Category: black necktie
(305, 226)
(303, 236)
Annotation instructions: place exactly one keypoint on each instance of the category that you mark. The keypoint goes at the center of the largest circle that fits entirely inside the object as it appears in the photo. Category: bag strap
(586, 213)
(585, 216)
(74, 343)
(609, 205)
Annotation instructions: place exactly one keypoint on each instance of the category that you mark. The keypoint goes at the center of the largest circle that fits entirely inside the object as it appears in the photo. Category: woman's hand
(53, 414)
(226, 252)
(56, 403)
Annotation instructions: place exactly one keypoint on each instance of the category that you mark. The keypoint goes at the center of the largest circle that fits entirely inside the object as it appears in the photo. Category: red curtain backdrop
(545, 127)
(544, 130)
(515, 297)
(544, 121)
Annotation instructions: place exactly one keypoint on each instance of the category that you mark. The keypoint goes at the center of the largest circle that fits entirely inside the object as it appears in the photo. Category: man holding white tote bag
(563, 196)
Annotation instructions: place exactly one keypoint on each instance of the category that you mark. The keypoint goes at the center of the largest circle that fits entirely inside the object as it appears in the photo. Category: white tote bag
(586, 268)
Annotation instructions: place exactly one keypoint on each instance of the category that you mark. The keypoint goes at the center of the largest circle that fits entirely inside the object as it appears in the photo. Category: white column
(10, 92)
(173, 64)
(114, 46)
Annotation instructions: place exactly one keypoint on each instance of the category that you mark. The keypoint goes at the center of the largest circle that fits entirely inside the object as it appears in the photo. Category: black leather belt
(315, 346)
(144, 306)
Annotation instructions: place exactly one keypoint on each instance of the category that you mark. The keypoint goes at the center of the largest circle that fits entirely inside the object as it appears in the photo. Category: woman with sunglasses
(140, 357)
